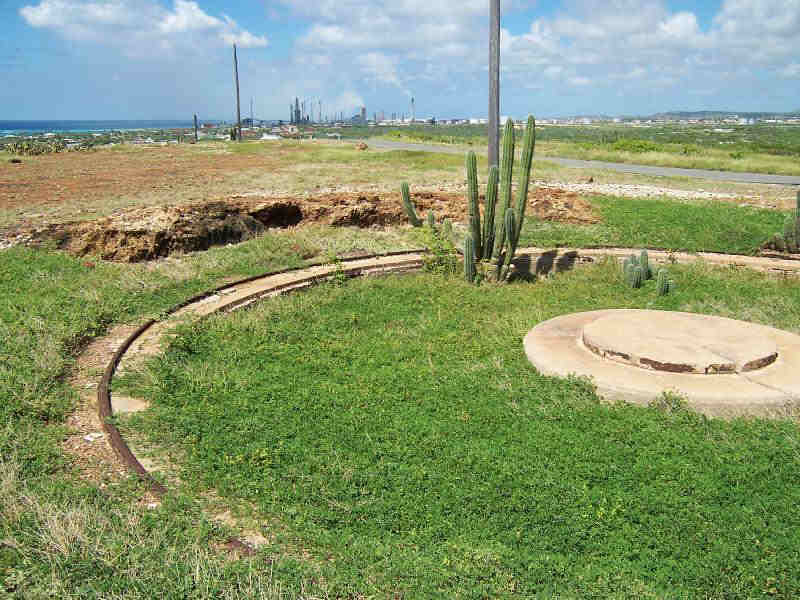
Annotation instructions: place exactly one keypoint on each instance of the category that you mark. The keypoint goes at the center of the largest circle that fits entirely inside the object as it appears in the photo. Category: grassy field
(395, 430)
(759, 148)
(664, 224)
(87, 185)
(62, 535)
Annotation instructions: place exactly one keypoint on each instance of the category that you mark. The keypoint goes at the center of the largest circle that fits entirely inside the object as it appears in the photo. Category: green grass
(62, 537)
(710, 226)
(65, 537)
(395, 429)
(760, 148)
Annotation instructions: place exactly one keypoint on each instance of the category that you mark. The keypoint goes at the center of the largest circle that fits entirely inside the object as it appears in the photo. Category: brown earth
(148, 233)
(88, 177)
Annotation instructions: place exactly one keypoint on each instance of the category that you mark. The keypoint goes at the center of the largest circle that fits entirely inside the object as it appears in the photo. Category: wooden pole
(238, 106)
(494, 82)
(195, 129)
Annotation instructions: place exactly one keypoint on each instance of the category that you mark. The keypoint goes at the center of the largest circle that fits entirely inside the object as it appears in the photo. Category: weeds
(396, 428)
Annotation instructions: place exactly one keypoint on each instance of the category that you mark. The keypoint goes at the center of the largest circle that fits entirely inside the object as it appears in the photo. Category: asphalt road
(732, 176)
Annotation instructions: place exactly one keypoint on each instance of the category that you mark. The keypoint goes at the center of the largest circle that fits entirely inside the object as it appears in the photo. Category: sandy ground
(115, 202)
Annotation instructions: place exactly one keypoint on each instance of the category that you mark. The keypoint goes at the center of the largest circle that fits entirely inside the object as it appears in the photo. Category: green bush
(631, 145)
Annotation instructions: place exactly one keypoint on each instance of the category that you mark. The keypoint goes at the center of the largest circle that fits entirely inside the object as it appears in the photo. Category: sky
(169, 59)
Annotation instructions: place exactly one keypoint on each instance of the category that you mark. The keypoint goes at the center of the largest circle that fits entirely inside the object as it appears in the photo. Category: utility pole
(494, 82)
(195, 129)
(238, 107)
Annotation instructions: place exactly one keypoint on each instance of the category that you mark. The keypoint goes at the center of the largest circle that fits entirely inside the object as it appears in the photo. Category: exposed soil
(86, 443)
(86, 177)
(153, 232)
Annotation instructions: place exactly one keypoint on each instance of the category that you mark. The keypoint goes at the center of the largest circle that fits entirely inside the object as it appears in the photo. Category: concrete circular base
(680, 343)
(723, 367)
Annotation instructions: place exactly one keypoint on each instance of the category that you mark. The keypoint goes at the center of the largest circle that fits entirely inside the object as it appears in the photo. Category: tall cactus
(469, 258)
(510, 228)
(409, 206)
(498, 238)
(528, 144)
(506, 172)
(431, 219)
(489, 211)
(472, 199)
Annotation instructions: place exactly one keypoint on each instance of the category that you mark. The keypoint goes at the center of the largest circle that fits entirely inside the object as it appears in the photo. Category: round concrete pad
(680, 343)
(556, 347)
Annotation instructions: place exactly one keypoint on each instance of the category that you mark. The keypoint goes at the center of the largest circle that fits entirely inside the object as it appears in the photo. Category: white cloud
(436, 50)
(140, 27)
(380, 68)
(188, 16)
(791, 71)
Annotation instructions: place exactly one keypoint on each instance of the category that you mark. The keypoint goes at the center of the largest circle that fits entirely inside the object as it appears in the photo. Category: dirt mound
(154, 232)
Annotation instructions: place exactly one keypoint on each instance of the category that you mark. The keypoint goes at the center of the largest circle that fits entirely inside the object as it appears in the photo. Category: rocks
(630, 190)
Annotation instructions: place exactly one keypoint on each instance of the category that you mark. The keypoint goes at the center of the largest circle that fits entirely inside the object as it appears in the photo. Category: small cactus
(431, 219)
(509, 227)
(627, 272)
(644, 262)
(637, 277)
(662, 282)
(409, 206)
(447, 229)
(469, 259)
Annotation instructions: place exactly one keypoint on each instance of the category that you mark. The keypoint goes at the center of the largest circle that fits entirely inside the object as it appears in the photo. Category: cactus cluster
(664, 285)
(789, 240)
(496, 242)
(637, 270)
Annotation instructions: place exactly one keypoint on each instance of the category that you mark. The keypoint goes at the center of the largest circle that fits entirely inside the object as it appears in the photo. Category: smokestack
(413, 110)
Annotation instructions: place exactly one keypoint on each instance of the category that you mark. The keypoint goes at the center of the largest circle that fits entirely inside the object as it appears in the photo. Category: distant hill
(719, 114)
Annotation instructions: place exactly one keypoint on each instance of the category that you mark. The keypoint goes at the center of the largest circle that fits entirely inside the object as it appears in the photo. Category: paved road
(732, 176)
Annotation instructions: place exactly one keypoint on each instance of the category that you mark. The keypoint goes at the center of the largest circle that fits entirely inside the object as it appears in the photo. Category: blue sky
(150, 59)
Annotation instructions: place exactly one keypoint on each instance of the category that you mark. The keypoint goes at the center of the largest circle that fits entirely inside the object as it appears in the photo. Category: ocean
(36, 127)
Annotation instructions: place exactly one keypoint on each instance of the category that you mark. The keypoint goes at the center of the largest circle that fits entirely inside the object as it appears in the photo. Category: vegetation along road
(732, 176)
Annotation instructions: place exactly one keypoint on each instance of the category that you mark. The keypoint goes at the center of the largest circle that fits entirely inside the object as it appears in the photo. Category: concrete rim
(556, 347)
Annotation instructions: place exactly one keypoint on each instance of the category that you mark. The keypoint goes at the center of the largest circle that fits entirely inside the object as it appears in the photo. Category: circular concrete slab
(680, 343)
(636, 355)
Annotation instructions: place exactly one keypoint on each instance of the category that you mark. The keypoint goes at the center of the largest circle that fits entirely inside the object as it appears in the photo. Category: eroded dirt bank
(141, 234)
